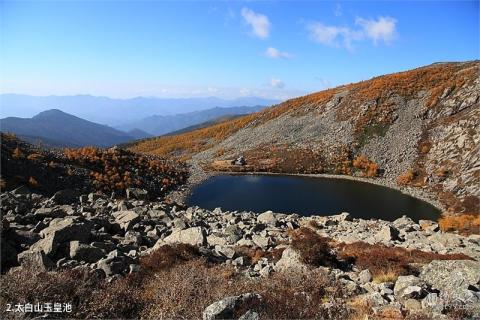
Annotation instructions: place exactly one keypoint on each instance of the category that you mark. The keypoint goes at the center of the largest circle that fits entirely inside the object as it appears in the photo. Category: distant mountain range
(160, 125)
(55, 128)
(115, 112)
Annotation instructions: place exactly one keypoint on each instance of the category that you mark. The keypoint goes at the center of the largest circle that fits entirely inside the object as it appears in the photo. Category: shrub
(406, 177)
(314, 249)
(370, 168)
(168, 256)
(17, 154)
(465, 223)
(32, 182)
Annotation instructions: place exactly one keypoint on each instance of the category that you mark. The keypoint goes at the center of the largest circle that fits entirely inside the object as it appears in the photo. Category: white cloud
(277, 83)
(276, 54)
(383, 29)
(259, 23)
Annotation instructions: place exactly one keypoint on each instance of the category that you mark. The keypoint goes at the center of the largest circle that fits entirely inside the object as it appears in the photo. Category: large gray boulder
(406, 286)
(126, 219)
(36, 260)
(68, 229)
(195, 236)
(387, 234)
(84, 252)
(451, 277)
(268, 217)
(290, 262)
(225, 308)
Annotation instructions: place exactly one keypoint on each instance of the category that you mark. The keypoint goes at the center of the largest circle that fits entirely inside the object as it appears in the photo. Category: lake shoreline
(199, 175)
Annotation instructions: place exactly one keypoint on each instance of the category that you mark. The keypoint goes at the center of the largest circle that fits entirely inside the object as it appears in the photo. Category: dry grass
(174, 283)
(185, 291)
(465, 223)
(389, 262)
(313, 249)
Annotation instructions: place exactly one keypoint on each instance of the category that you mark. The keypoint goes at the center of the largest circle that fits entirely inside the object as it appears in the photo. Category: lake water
(308, 196)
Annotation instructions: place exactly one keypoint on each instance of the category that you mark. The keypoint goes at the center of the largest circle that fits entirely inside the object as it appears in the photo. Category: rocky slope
(419, 127)
(400, 266)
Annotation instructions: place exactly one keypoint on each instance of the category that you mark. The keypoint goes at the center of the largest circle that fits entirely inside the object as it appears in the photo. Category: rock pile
(110, 235)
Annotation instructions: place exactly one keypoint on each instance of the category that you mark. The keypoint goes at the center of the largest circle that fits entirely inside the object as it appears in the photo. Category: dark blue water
(308, 196)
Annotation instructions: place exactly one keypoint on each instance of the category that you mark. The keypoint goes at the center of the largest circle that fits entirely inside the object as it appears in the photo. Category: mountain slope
(59, 129)
(159, 125)
(417, 128)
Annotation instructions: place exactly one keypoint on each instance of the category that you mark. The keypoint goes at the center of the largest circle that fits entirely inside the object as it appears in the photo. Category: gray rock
(214, 240)
(250, 315)
(68, 229)
(66, 196)
(261, 241)
(290, 261)
(225, 308)
(268, 217)
(386, 234)
(406, 286)
(451, 277)
(373, 299)
(195, 236)
(137, 193)
(37, 260)
(364, 276)
(126, 219)
(50, 213)
(48, 245)
(85, 252)
(225, 251)
(111, 266)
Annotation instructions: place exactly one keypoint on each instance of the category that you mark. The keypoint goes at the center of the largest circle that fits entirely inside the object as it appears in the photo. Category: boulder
(451, 277)
(126, 219)
(261, 241)
(225, 308)
(55, 212)
(290, 261)
(112, 265)
(84, 252)
(195, 236)
(68, 229)
(137, 193)
(249, 315)
(386, 234)
(227, 252)
(37, 260)
(268, 217)
(65, 196)
(364, 276)
(407, 286)
(47, 245)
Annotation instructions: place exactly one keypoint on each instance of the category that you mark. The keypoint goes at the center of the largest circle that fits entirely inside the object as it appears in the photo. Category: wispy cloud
(277, 54)
(382, 29)
(338, 10)
(258, 22)
(277, 83)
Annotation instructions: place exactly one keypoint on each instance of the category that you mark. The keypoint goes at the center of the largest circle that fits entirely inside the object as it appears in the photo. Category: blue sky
(275, 49)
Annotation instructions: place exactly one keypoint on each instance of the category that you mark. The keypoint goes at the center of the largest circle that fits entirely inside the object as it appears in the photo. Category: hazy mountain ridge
(55, 128)
(163, 124)
(116, 111)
